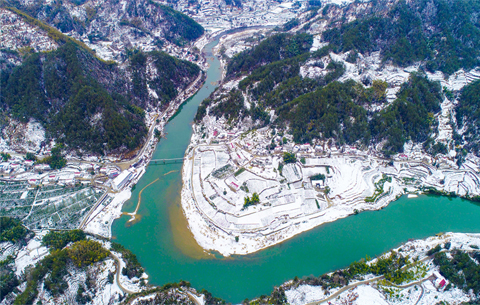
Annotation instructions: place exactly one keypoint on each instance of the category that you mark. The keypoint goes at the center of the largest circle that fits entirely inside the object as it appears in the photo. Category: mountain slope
(86, 103)
(445, 34)
(112, 26)
(295, 78)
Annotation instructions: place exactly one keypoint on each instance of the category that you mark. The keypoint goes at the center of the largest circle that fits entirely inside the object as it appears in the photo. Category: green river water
(167, 250)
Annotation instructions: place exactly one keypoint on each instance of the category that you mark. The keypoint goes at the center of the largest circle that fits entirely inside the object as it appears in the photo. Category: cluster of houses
(41, 174)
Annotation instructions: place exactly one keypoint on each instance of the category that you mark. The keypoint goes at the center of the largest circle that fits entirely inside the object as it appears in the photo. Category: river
(166, 248)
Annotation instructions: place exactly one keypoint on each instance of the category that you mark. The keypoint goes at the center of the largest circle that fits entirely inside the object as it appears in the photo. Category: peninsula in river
(152, 150)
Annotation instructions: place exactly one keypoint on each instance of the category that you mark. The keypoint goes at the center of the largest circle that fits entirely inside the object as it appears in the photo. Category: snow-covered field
(291, 202)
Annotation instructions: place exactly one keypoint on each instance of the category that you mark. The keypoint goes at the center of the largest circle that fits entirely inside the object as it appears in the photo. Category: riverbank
(100, 219)
(226, 164)
(221, 171)
(422, 289)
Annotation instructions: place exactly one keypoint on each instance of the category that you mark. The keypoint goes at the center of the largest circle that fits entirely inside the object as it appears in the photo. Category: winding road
(375, 279)
(117, 275)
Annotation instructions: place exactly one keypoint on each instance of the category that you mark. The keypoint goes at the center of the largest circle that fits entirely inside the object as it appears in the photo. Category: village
(217, 16)
(241, 194)
(322, 184)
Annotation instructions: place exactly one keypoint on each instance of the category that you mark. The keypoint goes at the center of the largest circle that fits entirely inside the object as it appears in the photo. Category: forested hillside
(89, 104)
(323, 108)
(109, 20)
(274, 48)
(434, 35)
(172, 74)
(444, 34)
(468, 115)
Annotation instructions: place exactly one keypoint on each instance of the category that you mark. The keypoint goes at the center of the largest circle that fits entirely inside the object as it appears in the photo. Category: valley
(303, 126)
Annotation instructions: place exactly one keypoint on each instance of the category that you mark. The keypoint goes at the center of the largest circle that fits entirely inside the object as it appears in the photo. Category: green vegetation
(52, 32)
(273, 67)
(279, 82)
(8, 279)
(468, 114)
(326, 191)
(53, 268)
(274, 48)
(57, 240)
(254, 200)
(450, 43)
(244, 187)
(410, 116)
(434, 250)
(172, 73)
(461, 270)
(324, 108)
(396, 268)
(326, 113)
(434, 191)
(56, 159)
(223, 172)
(60, 90)
(231, 106)
(30, 156)
(277, 297)
(133, 267)
(180, 27)
(318, 177)
(435, 149)
(239, 171)
(289, 158)
(5, 156)
(11, 230)
(379, 188)
(291, 24)
(86, 252)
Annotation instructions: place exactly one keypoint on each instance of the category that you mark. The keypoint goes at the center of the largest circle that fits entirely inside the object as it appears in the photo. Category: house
(113, 174)
(5, 167)
(439, 281)
(41, 167)
(70, 181)
(318, 183)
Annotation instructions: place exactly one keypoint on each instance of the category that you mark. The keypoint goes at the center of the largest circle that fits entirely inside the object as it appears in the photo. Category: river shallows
(168, 252)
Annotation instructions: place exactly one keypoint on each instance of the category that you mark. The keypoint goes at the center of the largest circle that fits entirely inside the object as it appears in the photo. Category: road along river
(160, 238)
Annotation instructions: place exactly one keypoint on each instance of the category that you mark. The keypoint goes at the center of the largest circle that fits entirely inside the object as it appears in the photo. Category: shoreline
(206, 219)
(220, 223)
(371, 288)
(102, 225)
(103, 216)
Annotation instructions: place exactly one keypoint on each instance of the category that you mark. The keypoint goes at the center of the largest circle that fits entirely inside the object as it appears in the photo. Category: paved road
(336, 294)
(117, 275)
(85, 219)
